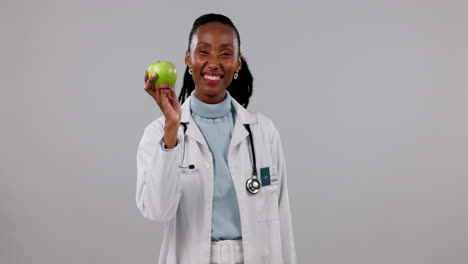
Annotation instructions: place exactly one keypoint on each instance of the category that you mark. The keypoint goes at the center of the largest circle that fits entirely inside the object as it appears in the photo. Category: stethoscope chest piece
(253, 185)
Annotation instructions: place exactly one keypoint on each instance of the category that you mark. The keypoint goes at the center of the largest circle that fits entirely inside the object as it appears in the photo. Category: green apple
(166, 71)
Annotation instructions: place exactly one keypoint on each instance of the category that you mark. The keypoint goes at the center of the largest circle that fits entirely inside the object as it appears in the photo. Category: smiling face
(214, 58)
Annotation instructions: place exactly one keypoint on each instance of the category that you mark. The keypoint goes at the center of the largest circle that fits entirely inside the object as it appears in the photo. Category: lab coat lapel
(238, 134)
(242, 117)
(192, 129)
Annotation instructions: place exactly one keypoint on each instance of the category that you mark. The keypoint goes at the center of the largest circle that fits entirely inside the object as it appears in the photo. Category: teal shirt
(216, 122)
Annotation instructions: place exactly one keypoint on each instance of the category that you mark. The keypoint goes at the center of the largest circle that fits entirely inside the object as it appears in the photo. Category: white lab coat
(181, 198)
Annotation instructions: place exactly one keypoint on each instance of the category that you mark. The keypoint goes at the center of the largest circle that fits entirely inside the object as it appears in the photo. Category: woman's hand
(166, 99)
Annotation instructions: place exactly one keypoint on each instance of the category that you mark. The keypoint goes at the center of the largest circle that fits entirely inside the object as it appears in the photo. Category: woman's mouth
(212, 78)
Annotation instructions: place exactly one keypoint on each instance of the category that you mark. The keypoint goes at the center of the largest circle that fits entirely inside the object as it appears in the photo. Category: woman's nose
(213, 62)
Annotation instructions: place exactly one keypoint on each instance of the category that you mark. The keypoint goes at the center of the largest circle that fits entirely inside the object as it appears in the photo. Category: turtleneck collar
(210, 110)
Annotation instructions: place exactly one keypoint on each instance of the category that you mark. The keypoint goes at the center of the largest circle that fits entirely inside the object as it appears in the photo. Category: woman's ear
(239, 63)
(188, 61)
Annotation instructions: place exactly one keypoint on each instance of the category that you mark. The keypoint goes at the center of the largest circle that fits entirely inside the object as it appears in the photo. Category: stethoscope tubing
(252, 184)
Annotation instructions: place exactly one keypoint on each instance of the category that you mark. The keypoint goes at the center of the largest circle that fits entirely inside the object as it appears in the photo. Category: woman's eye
(225, 54)
(203, 52)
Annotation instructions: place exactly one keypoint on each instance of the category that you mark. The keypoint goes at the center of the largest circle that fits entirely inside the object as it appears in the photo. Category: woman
(195, 162)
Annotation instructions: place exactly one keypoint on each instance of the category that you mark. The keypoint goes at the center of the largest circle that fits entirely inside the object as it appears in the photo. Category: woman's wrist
(170, 135)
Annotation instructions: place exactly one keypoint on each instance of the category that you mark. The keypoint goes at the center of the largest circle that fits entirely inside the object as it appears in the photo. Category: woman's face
(214, 58)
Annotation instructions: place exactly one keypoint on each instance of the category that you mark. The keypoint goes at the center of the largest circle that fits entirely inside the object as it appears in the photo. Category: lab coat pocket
(191, 182)
(267, 203)
(267, 218)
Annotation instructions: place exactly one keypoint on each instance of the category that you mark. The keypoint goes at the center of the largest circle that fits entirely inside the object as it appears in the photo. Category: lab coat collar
(239, 132)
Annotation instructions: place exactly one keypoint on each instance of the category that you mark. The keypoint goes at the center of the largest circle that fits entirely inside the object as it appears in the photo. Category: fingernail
(154, 74)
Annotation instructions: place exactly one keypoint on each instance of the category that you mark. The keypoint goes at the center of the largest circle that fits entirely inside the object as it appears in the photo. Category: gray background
(370, 98)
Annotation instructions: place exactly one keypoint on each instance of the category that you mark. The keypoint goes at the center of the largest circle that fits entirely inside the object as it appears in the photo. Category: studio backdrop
(370, 99)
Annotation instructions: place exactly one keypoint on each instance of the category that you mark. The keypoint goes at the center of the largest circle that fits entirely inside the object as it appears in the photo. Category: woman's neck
(206, 110)
(210, 99)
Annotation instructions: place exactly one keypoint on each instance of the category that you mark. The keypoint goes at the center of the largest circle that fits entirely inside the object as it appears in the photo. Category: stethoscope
(252, 184)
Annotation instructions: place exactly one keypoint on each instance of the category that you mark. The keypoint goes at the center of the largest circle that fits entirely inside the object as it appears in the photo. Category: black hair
(241, 88)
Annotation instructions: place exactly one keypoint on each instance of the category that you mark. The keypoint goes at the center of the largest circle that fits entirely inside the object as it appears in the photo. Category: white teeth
(211, 77)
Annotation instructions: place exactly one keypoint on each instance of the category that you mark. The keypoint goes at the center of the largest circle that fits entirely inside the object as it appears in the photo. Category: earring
(236, 74)
(190, 70)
